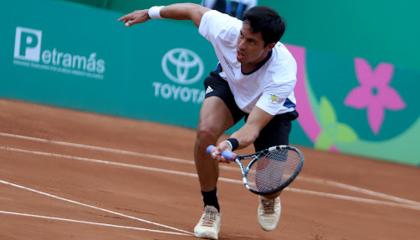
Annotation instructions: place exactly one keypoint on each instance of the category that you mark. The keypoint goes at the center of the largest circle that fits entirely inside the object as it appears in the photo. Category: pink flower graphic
(374, 92)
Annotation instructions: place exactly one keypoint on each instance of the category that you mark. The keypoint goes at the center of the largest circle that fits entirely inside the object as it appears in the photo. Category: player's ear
(271, 45)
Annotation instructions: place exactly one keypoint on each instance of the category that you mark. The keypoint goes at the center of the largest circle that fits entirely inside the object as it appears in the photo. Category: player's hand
(139, 16)
(216, 153)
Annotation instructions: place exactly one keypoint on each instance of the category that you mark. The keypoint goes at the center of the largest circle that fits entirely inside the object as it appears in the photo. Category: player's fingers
(128, 23)
(127, 17)
(124, 18)
(136, 20)
(132, 22)
(216, 154)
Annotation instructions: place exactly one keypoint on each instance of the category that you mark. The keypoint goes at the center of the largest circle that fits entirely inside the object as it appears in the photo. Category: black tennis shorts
(276, 132)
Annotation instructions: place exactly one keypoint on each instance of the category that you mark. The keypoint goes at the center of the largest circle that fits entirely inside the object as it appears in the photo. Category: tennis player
(254, 80)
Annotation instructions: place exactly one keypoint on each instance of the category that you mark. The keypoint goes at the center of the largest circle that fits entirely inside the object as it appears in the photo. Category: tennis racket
(270, 170)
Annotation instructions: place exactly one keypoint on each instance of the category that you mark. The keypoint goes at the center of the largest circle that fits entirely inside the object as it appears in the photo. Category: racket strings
(272, 170)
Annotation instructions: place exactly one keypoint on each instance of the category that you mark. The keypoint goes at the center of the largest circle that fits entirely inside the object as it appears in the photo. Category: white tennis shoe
(268, 213)
(209, 224)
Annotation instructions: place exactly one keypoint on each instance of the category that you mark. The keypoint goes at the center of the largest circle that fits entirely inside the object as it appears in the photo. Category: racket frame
(256, 156)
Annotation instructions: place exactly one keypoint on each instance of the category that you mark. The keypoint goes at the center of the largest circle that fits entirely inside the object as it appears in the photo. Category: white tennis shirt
(270, 88)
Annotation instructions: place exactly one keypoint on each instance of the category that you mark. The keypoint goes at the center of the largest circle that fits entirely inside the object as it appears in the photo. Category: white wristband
(154, 12)
(230, 145)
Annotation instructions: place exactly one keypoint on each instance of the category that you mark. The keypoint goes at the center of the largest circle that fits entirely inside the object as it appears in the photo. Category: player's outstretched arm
(249, 132)
(178, 11)
(246, 135)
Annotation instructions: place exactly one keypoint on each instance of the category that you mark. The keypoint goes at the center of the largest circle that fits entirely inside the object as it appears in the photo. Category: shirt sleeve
(216, 25)
(275, 97)
(278, 96)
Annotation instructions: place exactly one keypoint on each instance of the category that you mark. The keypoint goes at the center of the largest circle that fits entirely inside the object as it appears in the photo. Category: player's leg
(218, 113)
(215, 118)
(276, 132)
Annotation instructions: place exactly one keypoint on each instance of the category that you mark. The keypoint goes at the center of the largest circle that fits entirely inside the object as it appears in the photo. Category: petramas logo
(28, 52)
(28, 44)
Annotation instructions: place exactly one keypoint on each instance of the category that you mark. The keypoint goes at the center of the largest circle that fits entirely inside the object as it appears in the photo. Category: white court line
(364, 191)
(97, 148)
(90, 206)
(90, 223)
(228, 180)
(354, 199)
(183, 161)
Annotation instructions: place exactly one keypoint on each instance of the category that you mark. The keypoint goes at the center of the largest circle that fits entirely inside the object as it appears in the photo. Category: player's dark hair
(266, 21)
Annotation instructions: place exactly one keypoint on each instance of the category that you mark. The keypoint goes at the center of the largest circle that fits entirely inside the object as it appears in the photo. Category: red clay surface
(55, 183)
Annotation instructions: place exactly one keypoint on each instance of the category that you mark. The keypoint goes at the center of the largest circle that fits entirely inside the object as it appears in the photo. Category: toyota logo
(182, 66)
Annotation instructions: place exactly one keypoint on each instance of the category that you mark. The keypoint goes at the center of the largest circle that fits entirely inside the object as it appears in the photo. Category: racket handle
(226, 154)
(210, 148)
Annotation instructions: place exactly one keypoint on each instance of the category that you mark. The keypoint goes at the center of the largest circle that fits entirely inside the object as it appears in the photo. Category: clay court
(71, 175)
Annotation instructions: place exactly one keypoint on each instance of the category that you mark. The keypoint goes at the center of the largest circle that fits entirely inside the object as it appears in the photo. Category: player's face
(251, 48)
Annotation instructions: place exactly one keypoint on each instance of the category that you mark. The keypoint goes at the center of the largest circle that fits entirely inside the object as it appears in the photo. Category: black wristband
(234, 143)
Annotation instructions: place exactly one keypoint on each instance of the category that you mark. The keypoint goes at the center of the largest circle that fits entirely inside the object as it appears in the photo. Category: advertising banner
(155, 71)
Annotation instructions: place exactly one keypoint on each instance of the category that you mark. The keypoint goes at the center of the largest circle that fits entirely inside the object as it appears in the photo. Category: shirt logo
(275, 99)
(209, 90)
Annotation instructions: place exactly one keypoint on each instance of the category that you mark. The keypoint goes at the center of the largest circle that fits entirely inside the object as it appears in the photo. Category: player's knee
(207, 134)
